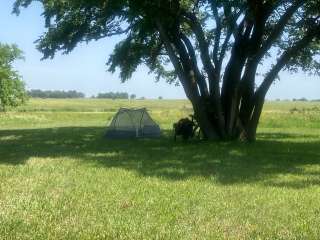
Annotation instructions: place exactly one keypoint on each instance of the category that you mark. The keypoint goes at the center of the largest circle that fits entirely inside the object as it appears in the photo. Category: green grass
(60, 179)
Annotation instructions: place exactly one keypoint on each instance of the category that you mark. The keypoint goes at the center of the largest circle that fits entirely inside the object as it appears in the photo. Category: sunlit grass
(60, 179)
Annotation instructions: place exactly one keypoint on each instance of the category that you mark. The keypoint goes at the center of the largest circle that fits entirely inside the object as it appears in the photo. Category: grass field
(60, 179)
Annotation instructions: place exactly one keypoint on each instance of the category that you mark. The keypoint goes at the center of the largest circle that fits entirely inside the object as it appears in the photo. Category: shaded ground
(227, 163)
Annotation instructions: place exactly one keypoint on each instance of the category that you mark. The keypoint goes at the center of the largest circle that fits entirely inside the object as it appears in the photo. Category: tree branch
(285, 58)
(204, 52)
(278, 28)
(217, 32)
(175, 61)
(199, 77)
(232, 26)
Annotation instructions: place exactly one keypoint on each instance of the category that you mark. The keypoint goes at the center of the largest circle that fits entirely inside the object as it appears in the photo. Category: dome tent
(132, 123)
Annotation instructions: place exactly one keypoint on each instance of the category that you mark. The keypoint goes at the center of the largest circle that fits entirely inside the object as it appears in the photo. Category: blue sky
(84, 69)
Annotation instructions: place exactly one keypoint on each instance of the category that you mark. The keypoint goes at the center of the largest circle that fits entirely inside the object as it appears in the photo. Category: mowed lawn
(60, 179)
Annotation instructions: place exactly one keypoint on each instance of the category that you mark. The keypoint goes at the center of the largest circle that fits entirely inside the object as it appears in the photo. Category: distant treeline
(298, 100)
(37, 93)
(113, 95)
(305, 100)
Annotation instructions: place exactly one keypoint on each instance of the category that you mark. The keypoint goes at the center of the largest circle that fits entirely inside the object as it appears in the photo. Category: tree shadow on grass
(224, 163)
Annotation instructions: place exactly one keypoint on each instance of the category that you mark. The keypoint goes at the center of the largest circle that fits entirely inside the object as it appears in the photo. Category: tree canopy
(213, 48)
(12, 89)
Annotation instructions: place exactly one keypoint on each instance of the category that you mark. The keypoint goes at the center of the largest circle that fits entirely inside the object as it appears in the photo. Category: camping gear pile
(186, 128)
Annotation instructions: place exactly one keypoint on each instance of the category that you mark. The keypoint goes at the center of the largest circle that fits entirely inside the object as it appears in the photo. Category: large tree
(213, 48)
(12, 88)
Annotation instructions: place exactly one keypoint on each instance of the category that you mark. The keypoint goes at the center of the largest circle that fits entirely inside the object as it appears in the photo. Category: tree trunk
(243, 113)
(208, 127)
(231, 112)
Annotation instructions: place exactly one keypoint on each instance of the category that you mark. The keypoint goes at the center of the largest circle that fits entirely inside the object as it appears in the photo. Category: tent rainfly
(132, 123)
